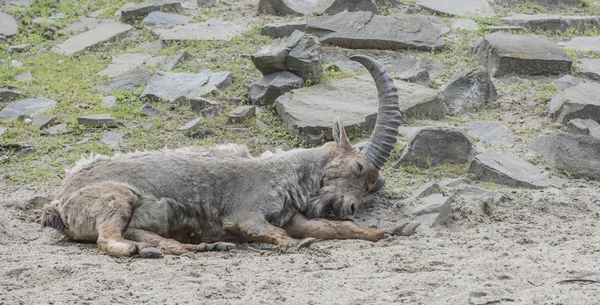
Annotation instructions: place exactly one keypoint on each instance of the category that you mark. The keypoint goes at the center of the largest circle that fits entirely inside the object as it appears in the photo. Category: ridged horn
(385, 134)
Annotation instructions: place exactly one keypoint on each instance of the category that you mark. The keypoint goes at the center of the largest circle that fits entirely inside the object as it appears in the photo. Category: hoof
(305, 243)
(218, 246)
(150, 252)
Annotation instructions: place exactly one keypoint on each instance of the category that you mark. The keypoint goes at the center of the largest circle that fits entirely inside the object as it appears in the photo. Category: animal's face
(348, 176)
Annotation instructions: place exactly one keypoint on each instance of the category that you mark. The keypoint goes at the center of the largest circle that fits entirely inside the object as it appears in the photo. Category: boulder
(57, 129)
(157, 18)
(177, 88)
(22, 48)
(578, 155)
(281, 30)
(490, 132)
(271, 86)
(97, 120)
(241, 113)
(129, 80)
(213, 29)
(565, 82)
(7, 95)
(308, 113)
(508, 169)
(579, 126)
(555, 23)
(191, 125)
(86, 40)
(434, 210)
(26, 107)
(504, 53)
(271, 58)
(310, 7)
(364, 30)
(123, 63)
(584, 44)
(130, 13)
(435, 146)
(42, 121)
(578, 102)
(590, 68)
(200, 104)
(468, 92)
(8, 25)
(458, 7)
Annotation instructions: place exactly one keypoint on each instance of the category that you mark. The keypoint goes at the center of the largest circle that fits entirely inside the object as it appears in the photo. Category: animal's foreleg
(255, 227)
(301, 227)
(172, 246)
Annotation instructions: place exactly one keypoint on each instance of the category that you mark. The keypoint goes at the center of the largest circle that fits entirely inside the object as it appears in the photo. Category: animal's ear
(339, 134)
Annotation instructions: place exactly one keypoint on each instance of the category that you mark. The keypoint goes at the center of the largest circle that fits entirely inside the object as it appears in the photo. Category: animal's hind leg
(172, 246)
(103, 212)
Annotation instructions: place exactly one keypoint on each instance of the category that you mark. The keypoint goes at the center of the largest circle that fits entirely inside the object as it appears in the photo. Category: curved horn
(384, 136)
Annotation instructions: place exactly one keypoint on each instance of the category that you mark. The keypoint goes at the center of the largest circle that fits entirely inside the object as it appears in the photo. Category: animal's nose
(353, 208)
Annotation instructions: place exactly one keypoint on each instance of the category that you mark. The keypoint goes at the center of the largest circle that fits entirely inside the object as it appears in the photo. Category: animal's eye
(360, 167)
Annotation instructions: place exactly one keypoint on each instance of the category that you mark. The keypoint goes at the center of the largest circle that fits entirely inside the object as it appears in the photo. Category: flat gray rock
(308, 112)
(26, 107)
(97, 120)
(491, 132)
(85, 23)
(271, 58)
(129, 80)
(590, 68)
(399, 63)
(417, 76)
(200, 104)
(271, 86)
(578, 155)
(211, 112)
(7, 95)
(109, 101)
(180, 87)
(209, 30)
(364, 30)
(503, 53)
(8, 25)
(157, 18)
(578, 102)
(172, 63)
(24, 77)
(468, 92)
(22, 48)
(57, 129)
(123, 63)
(407, 131)
(86, 40)
(555, 23)
(239, 114)
(280, 30)
(585, 43)
(435, 210)
(508, 169)
(112, 139)
(310, 7)
(42, 121)
(149, 110)
(193, 124)
(465, 24)
(565, 82)
(458, 7)
(425, 190)
(504, 28)
(130, 13)
(579, 126)
(435, 146)
(157, 61)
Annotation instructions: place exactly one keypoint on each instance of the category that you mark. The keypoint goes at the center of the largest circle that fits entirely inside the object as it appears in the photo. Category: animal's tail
(51, 218)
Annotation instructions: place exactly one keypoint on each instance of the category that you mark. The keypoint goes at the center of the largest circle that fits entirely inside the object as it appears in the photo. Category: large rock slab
(209, 30)
(280, 30)
(578, 102)
(468, 92)
(531, 54)
(123, 63)
(180, 87)
(310, 7)
(130, 13)
(590, 68)
(364, 30)
(435, 146)
(98, 121)
(157, 18)
(26, 107)
(585, 43)
(271, 86)
(308, 113)
(86, 40)
(555, 23)
(508, 169)
(129, 80)
(578, 155)
(8, 25)
(458, 7)
(491, 132)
